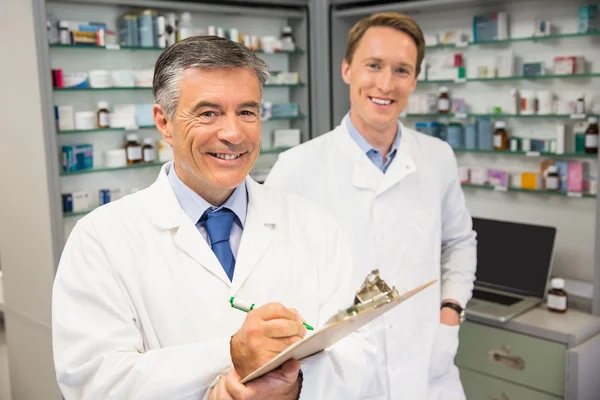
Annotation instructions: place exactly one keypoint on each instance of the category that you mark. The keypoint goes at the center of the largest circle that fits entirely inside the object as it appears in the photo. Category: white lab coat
(412, 224)
(141, 304)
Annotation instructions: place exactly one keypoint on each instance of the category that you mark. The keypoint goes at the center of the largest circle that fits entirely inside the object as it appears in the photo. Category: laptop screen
(513, 257)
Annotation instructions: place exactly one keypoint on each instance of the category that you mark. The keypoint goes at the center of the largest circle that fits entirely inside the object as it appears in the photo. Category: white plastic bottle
(186, 29)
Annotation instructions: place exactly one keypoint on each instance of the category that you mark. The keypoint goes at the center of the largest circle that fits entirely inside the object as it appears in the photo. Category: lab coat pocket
(445, 346)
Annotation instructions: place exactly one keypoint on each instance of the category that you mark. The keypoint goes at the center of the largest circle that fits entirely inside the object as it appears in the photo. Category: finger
(274, 311)
(220, 392)
(282, 328)
(234, 388)
(298, 316)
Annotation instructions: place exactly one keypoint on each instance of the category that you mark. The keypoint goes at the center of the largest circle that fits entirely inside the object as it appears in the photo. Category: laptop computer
(514, 261)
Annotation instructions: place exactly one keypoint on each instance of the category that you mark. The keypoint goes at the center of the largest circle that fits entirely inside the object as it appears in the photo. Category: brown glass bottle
(443, 101)
(500, 136)
(133, 149)
(591, 136)
(557, 297)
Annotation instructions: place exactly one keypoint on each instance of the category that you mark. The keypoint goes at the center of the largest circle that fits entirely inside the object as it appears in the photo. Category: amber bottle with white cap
(557, 297)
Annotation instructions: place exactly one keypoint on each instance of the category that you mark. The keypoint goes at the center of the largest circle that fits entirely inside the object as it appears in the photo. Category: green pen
(245, 307)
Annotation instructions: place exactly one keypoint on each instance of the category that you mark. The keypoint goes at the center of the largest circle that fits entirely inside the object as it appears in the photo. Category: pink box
(498, 178)
(575, 177)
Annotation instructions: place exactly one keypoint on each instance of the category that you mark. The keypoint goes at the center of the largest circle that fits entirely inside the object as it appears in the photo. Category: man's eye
(208, 114)
(374, 65)
(247, 113)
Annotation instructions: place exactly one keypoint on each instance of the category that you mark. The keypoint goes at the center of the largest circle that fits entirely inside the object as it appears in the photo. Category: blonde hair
(398, 21)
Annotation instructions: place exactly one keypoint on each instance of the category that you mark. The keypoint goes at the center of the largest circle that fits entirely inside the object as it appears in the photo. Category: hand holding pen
(266, 332)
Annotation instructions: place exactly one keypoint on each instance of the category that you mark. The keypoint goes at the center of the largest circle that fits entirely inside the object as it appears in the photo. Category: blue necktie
(218, 225)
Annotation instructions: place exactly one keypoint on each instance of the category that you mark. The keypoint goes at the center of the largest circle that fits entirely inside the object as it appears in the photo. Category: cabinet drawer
(482, 387)
(535, 363)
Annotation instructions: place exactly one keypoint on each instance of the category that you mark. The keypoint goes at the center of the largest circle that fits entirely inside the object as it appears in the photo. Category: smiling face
(215, 132)
(381, 75)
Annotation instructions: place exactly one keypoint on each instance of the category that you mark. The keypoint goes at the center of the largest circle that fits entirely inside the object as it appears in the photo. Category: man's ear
(162, 123)
(346, 71)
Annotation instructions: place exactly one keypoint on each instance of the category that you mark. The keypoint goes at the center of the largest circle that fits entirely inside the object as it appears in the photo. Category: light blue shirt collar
(194, 205)
(371, 152)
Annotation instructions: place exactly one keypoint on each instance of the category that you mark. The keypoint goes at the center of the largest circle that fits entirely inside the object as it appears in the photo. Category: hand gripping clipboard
(372, 300)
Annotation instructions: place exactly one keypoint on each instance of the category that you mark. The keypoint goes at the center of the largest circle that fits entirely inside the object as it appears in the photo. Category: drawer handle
(503, 357)
(504, 396)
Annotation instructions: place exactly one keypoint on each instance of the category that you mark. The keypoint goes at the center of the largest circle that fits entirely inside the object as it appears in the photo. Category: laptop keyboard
(495, 297)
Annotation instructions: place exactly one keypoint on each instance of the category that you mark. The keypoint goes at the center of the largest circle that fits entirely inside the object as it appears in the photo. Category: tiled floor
(4, 388)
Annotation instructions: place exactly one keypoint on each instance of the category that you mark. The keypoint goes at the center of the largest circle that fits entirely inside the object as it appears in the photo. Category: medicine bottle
(591, 136)
(133, 149)
(580, 106)
(287, 38)
(552, 178)
(102, 115)
(500, 136)
(64, 35)
(443, 101)
(148, 151)
(557, 297)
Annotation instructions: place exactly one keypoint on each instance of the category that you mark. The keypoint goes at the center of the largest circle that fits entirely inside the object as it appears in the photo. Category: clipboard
(373, 299)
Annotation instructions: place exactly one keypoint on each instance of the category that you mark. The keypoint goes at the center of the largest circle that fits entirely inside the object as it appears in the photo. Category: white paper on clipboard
(334, 331)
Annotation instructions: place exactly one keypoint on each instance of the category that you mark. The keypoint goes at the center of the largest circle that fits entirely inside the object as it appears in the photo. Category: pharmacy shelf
(134, 48)
(274, 151)
(529, 191)
(512, 78)
(295, 118)
(78, 213)
(79, 131)
(534, 154)
(515, 40)
(476, 115)
(91, 89)
(102, 169)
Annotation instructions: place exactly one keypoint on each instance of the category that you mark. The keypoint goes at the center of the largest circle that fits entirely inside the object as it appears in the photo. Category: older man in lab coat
(397, 195)
(141, 298)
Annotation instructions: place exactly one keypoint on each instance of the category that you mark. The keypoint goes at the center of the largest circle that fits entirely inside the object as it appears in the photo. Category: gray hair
(209, 52)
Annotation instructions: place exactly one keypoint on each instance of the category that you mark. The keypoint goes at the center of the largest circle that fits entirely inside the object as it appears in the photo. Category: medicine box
(588, 19)
(65, 118)
(80, 201)
(575, 175)
(490, 27)
(283, 138)
(531, 181)
(77, 157)
(563, 171)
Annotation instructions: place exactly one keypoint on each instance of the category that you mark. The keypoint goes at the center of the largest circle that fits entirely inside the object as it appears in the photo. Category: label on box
(112, 47)
(532, 154)
(461, 115)
(575, 194)
(500, 188)
(460, 80)
(577, 116)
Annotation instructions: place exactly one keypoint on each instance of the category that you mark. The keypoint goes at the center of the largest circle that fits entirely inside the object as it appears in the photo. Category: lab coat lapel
(163, 209)
(365, 175)
(258, 233)
(402, 165)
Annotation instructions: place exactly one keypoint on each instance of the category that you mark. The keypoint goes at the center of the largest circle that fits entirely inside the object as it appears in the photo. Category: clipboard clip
(373, 293)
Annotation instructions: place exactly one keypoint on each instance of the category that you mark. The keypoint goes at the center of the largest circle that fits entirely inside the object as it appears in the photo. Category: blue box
(103, 196)
(588, 19)
(144, 115)
(69, 163)
(563, 171)
(84, 156)
(428, 128)
(484, 133)
(67, 201)
(533, 69)
(470, 137)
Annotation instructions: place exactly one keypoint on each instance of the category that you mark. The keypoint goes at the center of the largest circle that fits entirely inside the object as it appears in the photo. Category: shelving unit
(578, 222)
(576, 195)
(247, 17)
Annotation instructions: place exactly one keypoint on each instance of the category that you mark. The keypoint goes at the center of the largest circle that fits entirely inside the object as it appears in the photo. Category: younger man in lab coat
(398, 197)
(141, 298)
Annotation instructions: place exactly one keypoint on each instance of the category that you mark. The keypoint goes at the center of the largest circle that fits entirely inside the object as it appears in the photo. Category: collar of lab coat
(164, 211)
(365, 174)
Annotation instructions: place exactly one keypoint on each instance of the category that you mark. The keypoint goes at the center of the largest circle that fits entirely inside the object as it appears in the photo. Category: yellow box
(530, 180)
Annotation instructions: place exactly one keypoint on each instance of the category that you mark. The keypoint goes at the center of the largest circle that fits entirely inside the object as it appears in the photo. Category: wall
(574, 218)
(26, 247)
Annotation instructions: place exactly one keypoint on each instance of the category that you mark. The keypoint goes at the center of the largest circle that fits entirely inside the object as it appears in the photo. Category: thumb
(290, 370)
